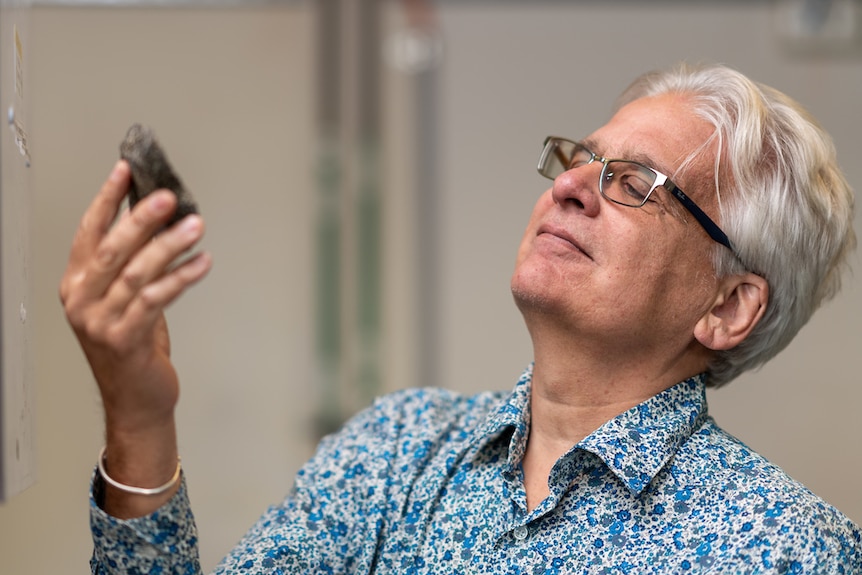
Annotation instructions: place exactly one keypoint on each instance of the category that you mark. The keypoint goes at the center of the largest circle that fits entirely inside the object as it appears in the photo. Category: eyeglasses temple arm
(710, 226)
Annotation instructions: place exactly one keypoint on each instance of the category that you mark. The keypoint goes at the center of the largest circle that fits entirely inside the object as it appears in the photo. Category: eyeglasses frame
(704, 220)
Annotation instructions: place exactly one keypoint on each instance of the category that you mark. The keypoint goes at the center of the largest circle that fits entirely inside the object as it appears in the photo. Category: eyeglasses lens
(555, 158)
(627, 183)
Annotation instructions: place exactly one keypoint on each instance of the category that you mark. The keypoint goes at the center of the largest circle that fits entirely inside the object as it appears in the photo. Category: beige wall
(231, 95)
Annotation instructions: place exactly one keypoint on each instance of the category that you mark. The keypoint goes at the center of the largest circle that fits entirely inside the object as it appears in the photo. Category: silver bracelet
(137, 490)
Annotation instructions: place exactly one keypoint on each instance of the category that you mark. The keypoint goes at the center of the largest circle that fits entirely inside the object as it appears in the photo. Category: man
(683, 242)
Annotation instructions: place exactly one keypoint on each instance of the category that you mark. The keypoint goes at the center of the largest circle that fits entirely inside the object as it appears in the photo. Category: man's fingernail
(190, 223)
(117, 172)
(159, 202)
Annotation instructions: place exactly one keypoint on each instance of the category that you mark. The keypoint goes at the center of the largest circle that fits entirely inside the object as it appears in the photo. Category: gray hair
(783, 201)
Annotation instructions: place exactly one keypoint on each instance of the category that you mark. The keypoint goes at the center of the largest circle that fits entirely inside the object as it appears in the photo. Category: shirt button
(521, 532)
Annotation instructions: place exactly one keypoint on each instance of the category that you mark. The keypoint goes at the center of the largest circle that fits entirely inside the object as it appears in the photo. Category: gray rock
(151, 171)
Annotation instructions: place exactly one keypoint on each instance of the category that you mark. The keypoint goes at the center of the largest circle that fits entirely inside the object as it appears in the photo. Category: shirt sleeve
(163, 542)
(313, 530)
(832, 544)
(332, 519)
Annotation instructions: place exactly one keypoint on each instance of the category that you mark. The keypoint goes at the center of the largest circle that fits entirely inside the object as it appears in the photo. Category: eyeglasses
(623, 182)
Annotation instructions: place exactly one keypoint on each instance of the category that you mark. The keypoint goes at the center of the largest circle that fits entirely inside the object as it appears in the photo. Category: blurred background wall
(235, 95)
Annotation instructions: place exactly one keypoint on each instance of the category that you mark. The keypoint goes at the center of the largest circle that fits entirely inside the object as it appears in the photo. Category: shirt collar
(514, 414)
(635, 445)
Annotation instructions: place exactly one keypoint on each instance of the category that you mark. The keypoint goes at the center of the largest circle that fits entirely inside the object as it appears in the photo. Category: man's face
(629, 279)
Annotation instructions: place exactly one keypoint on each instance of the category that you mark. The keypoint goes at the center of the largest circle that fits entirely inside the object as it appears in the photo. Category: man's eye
(634, 189)
(579, 160)
(635, 186)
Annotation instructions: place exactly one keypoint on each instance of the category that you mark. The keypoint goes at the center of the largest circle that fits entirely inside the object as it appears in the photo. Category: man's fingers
(123, 241)
(151, 262)
(136, 299)
(94, 225)
(150, 302)
(100, 214)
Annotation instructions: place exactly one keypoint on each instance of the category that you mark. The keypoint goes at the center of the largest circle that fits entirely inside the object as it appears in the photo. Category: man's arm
(119, 279)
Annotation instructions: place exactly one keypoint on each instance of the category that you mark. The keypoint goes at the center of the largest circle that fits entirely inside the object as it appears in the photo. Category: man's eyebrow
(591, 145)
(633, 156)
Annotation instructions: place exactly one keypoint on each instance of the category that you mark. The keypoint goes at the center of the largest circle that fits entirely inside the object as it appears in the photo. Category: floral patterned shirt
(429, 482)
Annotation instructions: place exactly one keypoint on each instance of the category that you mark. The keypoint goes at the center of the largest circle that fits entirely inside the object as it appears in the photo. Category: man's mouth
(563, 235)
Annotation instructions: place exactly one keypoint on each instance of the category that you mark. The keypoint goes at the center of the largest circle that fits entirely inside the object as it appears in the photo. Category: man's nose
(578, 188)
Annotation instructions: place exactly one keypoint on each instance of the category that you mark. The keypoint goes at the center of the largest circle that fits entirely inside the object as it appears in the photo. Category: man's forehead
(663, 132)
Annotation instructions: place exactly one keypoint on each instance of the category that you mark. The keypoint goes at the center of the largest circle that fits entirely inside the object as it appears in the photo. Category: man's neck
(573, 393)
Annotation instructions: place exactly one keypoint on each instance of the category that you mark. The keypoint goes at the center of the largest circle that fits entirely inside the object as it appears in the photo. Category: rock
(151, 171)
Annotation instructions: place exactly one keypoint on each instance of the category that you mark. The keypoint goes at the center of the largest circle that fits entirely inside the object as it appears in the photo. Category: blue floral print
(428, 481)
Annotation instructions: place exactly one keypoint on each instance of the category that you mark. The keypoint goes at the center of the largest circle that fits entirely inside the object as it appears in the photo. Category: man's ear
(740, 302)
